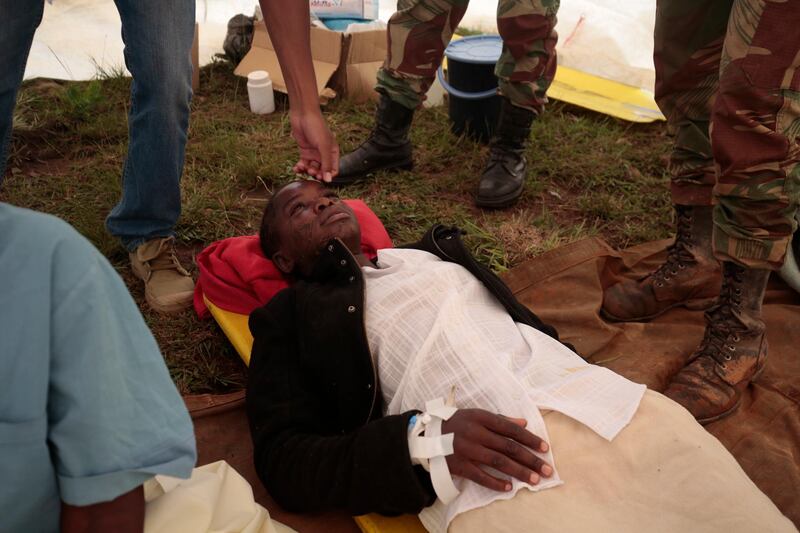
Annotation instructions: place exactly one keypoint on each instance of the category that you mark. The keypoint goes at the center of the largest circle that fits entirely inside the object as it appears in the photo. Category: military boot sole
(500, 202)
(398, 166)
(702, 305)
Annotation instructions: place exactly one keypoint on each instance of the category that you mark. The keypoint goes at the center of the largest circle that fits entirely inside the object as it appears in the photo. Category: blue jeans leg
(18, 23)
(158, 38)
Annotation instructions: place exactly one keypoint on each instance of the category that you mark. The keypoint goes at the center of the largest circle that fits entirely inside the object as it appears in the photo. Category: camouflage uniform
(421, 29)
(728, 81)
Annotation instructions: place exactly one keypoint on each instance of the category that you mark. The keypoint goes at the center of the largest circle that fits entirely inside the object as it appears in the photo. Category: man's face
(307, 216)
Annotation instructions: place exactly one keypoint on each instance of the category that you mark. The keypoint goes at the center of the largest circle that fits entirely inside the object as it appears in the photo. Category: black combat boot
(690, 272)
(733, 351)
(386, 148)
(504, 177)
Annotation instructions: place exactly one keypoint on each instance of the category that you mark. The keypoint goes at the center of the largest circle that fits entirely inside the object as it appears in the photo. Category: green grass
(589, 175)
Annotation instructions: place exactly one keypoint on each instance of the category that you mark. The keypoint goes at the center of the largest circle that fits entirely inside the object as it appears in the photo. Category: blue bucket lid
(480, 49)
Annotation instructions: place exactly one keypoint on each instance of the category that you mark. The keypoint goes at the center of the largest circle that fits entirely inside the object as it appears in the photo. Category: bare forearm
(288, 26)
(124, 514)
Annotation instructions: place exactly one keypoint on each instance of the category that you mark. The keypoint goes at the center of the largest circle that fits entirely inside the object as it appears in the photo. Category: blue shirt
(87, 408)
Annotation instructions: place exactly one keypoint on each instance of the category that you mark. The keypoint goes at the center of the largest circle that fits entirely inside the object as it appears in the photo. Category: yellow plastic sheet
(604, 96)
(600, 95)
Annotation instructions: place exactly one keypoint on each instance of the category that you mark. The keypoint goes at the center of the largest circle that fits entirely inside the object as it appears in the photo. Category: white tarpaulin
(610, 39)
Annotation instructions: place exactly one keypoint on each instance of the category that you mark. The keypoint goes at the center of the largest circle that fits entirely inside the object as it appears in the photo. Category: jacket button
(369, 386)
(351, 309)
(352, 279)
(330, 248)
(343, 262)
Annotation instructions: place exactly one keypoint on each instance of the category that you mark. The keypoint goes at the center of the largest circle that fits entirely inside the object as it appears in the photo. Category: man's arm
(115, 418)
(307, 468)
(288, 25)
(123, 514)
(369, 469)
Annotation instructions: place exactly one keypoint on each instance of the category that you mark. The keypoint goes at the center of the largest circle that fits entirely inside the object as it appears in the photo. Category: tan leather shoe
(168, 287)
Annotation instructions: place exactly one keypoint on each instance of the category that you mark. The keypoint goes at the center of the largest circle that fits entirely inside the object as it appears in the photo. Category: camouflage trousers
(421, 29)
(728, 81)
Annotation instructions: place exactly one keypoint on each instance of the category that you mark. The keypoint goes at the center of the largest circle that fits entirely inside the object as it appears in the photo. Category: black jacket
(320, 440)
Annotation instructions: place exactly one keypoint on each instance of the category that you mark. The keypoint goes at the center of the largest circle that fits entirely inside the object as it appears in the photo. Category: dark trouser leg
(158, 39)
(19, 23)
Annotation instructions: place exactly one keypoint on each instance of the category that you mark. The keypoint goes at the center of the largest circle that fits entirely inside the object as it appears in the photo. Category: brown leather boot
(690, 271)
(733, 351)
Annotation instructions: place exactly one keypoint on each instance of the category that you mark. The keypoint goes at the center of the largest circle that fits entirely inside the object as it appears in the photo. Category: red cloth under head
(235, 275)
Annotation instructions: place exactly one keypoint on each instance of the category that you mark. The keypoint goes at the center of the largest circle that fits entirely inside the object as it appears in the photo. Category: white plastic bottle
(259, 90)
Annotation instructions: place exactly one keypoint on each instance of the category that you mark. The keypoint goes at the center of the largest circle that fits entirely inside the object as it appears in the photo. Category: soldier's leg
(524, 71)
(18, 26)
(756, 125)
(687, 46)
(527, 64)
(688, 42)
(417, 36)
(754, 137)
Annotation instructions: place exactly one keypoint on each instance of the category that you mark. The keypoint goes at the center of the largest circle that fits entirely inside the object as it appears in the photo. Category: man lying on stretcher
(348, 364)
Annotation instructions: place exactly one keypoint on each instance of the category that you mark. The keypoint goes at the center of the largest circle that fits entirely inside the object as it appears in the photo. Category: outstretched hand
(319, 151)
(481, 438)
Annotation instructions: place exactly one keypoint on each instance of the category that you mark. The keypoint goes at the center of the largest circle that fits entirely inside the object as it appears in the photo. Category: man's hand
(319, 152)
(482, 438)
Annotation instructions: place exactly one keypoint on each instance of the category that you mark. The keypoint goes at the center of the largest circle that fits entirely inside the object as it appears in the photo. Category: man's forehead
(295, 187)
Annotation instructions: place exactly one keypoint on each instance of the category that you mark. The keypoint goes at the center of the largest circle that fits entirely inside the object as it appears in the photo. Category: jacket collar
(335, 264)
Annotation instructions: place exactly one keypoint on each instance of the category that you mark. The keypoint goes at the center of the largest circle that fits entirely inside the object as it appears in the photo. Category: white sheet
(609, 38)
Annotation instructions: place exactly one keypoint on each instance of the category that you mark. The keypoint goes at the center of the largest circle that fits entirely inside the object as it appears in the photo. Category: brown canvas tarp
(564, 286)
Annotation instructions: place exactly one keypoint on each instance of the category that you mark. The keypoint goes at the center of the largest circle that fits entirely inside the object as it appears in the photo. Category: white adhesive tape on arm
(440, 473)
(431, 451)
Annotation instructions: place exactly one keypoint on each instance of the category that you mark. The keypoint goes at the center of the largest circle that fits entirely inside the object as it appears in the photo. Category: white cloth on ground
(215, 499)
(432, 325)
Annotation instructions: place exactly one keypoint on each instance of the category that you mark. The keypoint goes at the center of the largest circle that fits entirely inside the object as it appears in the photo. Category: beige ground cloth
(565, 288)
(662, 473)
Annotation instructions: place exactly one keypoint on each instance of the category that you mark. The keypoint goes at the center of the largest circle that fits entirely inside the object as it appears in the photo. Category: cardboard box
(345, 9)
(363, 54)
(344, 65)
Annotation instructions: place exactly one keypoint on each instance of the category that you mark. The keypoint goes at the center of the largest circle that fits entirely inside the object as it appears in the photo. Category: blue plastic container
(340, 24)
(474, 104)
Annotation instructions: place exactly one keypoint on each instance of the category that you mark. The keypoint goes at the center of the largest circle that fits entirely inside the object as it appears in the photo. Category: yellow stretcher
(236, 329)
